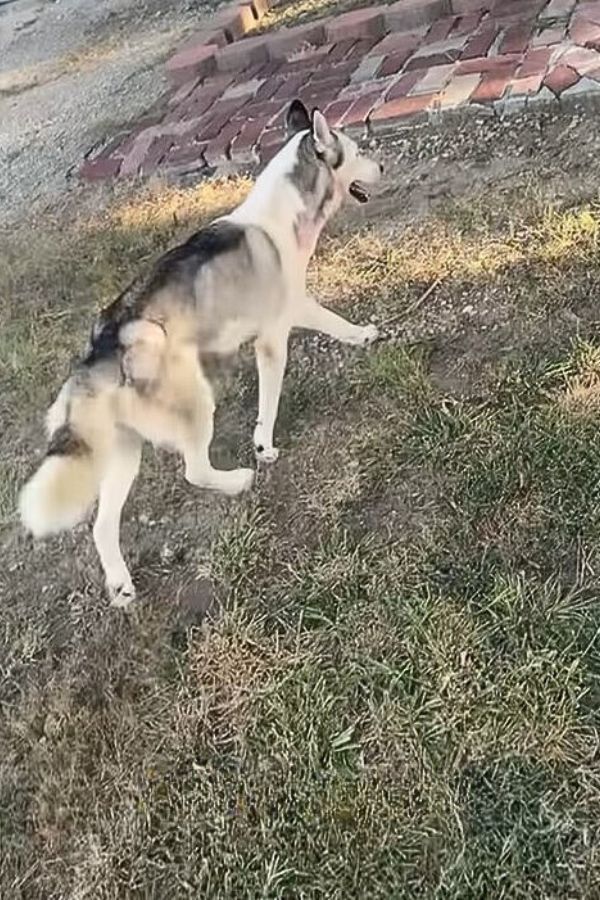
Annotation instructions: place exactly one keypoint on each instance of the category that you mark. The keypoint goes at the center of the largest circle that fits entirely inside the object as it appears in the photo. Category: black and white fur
(241, 278)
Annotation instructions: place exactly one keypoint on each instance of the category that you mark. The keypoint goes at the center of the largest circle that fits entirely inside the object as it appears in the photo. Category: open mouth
(359, 191)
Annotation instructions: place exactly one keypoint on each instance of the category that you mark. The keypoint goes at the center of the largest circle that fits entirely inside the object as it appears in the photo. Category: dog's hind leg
(196, 430)
(271, 358)
(121, 469)
(178, 413)
(310, 314)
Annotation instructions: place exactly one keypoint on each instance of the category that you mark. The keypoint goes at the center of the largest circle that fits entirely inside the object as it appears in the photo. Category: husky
(241, 278)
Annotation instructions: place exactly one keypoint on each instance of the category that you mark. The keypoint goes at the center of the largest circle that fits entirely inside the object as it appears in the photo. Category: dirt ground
(377, 675)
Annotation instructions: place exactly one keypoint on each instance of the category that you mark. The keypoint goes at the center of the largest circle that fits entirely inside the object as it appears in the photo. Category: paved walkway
(371, 69)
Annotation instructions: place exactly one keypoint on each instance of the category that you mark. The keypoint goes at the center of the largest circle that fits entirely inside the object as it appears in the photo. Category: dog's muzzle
(358, 190)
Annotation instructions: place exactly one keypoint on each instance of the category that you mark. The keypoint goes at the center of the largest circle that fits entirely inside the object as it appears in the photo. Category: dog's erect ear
(322, 135)
(298, 118)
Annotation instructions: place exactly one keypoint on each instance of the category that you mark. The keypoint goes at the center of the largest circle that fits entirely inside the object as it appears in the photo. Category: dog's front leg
(310, 314)
(271, 358)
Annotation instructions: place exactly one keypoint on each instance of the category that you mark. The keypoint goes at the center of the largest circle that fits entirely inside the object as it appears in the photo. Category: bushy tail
(81, 427)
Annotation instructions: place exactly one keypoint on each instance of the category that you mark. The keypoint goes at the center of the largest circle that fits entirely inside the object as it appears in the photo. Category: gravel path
(70, 72)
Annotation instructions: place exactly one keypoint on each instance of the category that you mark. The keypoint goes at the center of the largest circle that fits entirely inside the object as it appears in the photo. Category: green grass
(396, 692)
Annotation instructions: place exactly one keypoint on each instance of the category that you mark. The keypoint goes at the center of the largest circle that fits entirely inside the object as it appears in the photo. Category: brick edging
(224, 45)
(367, 75)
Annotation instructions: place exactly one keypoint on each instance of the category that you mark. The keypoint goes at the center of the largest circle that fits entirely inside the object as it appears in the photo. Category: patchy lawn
(394, 691)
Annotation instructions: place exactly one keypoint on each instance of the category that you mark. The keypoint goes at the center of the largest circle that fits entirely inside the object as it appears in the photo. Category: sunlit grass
(384, 264)
(166, 207)
(299, 12)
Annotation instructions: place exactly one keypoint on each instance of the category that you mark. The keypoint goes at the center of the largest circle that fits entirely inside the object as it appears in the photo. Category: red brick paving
(371, 69)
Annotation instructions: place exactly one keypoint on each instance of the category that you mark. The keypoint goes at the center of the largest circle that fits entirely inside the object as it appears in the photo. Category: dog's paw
(235, 481)
(121, 595)
(369, 335)
(230, 482)
(363, 336)
(264, 450)
(266, 454)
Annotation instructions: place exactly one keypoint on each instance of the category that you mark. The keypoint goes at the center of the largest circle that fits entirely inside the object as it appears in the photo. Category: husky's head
(329, 161)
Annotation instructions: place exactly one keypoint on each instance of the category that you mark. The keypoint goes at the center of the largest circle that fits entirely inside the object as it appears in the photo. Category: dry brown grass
(299, 12)
(580, 394)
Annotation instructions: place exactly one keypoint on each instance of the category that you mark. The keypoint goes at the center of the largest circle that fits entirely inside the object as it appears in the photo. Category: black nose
(381, 167)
